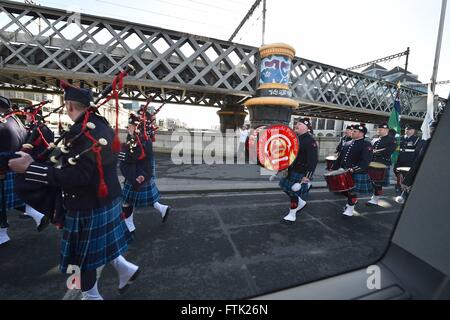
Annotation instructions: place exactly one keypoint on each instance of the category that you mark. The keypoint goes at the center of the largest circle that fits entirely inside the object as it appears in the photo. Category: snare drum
(339, 180)
(330, 161)
(377, 171)
(403, 170)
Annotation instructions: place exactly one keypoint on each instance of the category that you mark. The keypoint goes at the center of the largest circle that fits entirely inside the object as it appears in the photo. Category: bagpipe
(48, 199)
(148, 121)
(63, 144)
(36, 136)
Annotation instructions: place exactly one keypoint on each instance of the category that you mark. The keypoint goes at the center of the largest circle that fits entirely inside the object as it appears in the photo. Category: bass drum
(274, 148)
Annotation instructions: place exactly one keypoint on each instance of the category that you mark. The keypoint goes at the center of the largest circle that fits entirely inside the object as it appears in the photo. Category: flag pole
(438, 47)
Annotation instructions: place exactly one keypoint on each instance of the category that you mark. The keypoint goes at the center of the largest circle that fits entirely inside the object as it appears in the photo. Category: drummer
(300, 173)
(356, 157)
(383, 148)
(408, 146)
(346, 139)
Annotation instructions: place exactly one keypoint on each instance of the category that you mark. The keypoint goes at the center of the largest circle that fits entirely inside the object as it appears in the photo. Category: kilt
(146, 196)
(93, 238)
(12, 199)
(287, 183)
(363, 183)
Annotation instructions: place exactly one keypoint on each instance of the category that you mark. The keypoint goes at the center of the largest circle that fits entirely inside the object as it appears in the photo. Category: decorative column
(231, 117)
(273, 103)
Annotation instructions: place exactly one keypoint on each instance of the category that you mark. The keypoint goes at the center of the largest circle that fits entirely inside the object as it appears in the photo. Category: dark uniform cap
(306, 122)
(360, 127)
(72, 93)
(383, 125)
(133, 119)
(349, 127)
(4, 103)
(411, 126)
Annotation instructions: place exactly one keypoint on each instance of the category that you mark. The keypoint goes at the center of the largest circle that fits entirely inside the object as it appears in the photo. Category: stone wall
(164, 143)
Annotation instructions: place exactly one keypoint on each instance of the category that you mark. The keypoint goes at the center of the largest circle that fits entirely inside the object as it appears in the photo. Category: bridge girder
(174, 67)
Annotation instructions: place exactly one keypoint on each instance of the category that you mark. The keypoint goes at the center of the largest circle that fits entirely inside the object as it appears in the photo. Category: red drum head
(277, 147)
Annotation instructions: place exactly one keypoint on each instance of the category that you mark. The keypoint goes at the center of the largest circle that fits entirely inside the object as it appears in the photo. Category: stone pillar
(273, 103)
(231, 117)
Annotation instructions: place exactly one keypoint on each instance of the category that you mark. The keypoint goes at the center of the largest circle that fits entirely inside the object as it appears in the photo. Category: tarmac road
(213, 246)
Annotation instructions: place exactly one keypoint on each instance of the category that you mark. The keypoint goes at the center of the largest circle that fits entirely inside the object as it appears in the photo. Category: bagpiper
(137, 166)
(94, 233)
(38, 139)
(12, 136)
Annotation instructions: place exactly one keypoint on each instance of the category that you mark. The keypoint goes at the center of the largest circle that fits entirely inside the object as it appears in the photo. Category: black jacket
(357, 156)
(408, 146)
(136, 159)
(12, 137)
(343, 142)
(419, 153)
(80, 182)
(389, 144)
(307, 156)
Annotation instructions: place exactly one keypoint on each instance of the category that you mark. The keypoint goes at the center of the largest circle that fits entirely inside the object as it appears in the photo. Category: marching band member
(346, 139)
(419, 153)
(39, 141)
(383, 148)
(408, 145)
(356, 157)
(298, 180)
(137, 167)
(94, 233)
(12, 136)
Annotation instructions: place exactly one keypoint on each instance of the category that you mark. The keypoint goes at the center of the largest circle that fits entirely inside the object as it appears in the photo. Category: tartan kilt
(93, 238)
(12, 199)
(146, 196)
(363, 183)
(287, 183)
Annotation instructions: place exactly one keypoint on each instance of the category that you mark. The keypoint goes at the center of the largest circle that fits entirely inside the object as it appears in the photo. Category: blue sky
(340, 33)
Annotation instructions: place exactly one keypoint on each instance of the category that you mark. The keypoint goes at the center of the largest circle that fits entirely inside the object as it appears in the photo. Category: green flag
(394, 123)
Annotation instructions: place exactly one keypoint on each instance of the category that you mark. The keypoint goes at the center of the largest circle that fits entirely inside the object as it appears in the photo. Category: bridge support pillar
(273, 103)
(231, 117)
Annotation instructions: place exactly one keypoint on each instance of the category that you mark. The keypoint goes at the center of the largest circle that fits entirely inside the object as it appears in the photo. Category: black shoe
(44, 224)
(24, 216)
(132, 279)
(166, 215)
